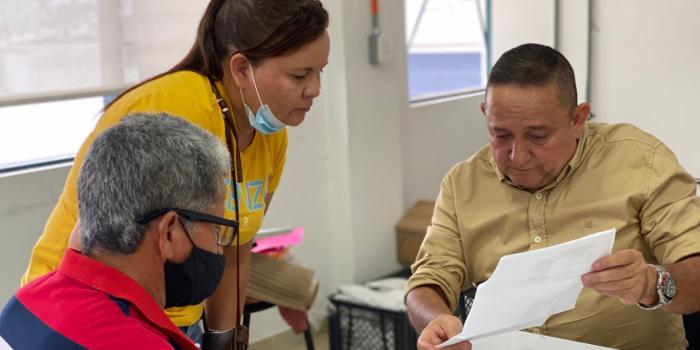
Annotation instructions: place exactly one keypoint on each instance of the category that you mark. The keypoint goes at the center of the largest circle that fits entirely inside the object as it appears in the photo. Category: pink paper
(279, 241)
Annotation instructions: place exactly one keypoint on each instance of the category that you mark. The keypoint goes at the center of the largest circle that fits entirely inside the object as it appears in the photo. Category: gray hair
(144, 163)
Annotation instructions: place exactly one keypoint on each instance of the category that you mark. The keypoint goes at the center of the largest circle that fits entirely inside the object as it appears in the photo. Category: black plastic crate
(361, 327)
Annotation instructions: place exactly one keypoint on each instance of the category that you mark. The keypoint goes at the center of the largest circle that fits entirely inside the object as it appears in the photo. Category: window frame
(105, 94)
(440, 97)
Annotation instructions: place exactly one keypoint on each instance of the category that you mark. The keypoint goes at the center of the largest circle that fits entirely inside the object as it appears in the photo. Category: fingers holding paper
(624, 275)
(438, 331)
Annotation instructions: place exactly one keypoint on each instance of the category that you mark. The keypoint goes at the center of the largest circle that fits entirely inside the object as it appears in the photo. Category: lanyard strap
(236, 177)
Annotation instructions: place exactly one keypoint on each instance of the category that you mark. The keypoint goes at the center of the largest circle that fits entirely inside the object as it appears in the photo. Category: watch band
(662, 278)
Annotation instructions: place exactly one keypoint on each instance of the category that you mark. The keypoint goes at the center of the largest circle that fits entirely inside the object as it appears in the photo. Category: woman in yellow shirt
(253, 70)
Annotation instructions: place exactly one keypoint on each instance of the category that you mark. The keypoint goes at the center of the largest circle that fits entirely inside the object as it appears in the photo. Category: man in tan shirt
(548, 177)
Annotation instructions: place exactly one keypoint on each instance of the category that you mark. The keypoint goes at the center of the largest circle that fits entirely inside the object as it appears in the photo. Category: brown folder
(281, 283)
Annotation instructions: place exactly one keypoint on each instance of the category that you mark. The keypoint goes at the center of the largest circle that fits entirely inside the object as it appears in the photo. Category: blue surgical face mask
(263, 120)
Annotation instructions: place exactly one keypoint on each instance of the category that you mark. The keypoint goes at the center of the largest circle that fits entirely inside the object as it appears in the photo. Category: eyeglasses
(226, 229)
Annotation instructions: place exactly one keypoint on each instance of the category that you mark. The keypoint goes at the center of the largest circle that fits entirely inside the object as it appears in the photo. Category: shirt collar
(117, 284)
(494, 166)
(576, 159)
(573, 163)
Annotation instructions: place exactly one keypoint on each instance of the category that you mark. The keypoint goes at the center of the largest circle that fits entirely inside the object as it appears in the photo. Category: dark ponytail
(204, 57)
(259, 29)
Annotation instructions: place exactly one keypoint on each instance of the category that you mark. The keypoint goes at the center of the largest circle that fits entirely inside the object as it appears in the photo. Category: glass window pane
(59, 47)
(45, 45)
(44, 132)
(54, 50)
(446, 50)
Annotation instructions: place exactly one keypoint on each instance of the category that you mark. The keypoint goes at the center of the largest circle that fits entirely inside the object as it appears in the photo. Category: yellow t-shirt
(188, 95)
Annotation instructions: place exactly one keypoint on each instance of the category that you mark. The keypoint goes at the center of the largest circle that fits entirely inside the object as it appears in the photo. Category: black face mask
(193, 280)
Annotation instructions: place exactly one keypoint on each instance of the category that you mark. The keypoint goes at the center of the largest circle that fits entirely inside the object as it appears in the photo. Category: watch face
(668, 288)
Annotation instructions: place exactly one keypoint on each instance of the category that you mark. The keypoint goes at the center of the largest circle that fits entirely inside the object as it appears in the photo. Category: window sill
(443, 98)
(35, 168)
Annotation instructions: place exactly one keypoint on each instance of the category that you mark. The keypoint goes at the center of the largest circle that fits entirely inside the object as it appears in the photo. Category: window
(59, 57)
(41, 133)
(447, 48)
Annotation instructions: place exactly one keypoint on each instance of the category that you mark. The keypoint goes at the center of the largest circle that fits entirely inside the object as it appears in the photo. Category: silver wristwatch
(665, 288)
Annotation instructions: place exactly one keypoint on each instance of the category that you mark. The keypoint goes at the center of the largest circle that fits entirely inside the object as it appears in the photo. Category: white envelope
(526, 288)
(519, 340)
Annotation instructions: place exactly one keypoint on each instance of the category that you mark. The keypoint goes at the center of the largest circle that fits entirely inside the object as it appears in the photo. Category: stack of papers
(527, 341)
(526, 288)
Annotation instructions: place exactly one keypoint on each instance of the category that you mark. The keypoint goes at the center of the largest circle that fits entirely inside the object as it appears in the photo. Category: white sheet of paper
(526, 288)
(519, 340)
(4, 345)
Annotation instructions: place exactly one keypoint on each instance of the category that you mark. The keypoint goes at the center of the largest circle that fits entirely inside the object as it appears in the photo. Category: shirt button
(538, 195)
(538, 239)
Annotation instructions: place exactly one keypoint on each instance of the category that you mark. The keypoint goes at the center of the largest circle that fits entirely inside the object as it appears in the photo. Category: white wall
(645, 70)
(573, 40)
(517, 22)
(434, 138)
(26, 199)
(376, 102)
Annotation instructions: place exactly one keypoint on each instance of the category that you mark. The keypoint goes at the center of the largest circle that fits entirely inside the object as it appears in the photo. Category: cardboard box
(411, 229)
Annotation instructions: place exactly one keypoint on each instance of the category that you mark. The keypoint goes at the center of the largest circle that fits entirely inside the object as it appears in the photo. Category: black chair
(260, 306)
(692, 330)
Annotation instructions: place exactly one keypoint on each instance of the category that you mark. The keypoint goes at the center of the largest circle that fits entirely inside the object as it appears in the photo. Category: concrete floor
(290, 341)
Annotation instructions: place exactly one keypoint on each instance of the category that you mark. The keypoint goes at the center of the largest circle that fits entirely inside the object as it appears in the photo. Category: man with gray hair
(151, 195)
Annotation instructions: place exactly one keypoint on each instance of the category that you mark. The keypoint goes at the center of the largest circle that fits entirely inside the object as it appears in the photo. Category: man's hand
(624, 275)
(439, 330)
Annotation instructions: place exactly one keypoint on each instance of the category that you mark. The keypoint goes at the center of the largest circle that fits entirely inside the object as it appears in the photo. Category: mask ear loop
(236, 177)
(255, 85)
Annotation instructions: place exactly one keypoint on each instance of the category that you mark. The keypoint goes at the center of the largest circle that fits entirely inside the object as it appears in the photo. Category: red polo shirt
(87, 304)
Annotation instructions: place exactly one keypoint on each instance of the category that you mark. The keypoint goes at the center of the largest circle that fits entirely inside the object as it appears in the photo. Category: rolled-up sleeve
(440, 260)
(670, 218)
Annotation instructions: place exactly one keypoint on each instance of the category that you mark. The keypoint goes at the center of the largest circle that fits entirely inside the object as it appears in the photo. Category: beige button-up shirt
(618, 177)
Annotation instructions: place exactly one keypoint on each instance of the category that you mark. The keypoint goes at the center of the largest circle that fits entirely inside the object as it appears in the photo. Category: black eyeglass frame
(191, 215)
